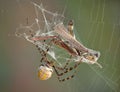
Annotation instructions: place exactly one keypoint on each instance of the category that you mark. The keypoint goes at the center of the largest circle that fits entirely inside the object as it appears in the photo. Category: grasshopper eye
(45, 72)
(97, 54)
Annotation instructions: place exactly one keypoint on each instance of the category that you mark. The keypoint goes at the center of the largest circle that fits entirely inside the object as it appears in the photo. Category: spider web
(97, 26)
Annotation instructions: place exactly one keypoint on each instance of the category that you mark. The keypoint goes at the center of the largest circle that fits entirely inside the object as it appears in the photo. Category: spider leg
(67, 78)
(68, 61)
(66, 71)
(66, 64)
(42, 52)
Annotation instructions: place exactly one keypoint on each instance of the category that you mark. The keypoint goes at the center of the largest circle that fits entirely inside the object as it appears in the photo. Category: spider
(45, 70)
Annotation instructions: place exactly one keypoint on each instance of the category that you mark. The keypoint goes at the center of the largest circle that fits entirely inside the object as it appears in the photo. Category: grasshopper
(65, 39)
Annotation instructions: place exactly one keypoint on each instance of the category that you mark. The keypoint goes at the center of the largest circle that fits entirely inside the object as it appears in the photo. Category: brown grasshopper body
(62, 31)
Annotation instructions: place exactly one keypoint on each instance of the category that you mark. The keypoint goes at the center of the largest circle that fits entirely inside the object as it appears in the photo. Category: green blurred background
(97, 25)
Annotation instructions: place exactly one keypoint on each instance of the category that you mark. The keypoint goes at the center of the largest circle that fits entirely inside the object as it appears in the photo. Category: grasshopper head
(91, 57)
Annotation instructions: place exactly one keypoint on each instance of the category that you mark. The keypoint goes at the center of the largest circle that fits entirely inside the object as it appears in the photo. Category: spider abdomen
(45, 72)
